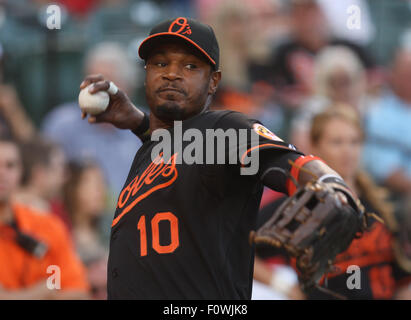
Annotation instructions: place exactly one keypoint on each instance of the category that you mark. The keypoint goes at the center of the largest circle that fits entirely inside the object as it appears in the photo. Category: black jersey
(181, 231)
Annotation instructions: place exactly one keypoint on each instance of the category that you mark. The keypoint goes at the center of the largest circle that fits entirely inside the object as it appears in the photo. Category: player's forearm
(318, 170)
(314, 169)
(321, 171)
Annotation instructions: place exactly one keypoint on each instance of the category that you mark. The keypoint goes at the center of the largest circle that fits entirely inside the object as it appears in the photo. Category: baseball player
(181, 231)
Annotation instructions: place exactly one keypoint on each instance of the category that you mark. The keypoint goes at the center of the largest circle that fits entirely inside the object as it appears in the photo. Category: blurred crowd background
(283, 62)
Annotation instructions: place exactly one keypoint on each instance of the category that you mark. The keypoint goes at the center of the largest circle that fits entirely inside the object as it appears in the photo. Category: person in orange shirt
(37, 259)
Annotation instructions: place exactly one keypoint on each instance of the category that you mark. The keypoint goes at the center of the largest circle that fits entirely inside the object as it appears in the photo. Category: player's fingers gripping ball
(95, 103)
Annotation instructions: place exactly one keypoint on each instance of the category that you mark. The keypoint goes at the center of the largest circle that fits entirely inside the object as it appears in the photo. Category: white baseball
(94, 103)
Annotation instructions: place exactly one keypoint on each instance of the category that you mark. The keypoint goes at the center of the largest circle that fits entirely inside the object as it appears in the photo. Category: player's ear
(145, 69)
(214, 81)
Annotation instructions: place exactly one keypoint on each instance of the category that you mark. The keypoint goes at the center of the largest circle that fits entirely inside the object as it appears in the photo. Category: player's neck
(156, 123)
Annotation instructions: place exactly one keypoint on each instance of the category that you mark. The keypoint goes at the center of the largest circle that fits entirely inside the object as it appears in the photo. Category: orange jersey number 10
(160, 216)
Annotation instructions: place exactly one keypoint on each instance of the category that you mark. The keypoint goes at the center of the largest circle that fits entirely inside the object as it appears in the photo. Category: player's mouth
(171, 90)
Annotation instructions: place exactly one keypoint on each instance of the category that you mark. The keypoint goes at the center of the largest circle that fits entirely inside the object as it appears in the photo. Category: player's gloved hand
(314, 225)
(121, 112)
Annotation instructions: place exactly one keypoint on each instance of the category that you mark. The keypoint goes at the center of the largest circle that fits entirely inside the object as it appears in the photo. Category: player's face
(340, 147)
(178, 81)
(10, 170)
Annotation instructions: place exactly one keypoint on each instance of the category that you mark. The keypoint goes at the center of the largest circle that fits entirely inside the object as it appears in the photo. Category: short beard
(170, 111)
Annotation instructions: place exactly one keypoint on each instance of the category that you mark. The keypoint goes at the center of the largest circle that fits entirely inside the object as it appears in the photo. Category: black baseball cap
(199, 35)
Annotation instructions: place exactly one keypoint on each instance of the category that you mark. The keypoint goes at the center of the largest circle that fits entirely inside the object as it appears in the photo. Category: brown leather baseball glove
(313, 225)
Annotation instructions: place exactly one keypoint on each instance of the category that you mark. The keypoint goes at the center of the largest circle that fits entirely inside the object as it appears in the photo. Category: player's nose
(172, 72)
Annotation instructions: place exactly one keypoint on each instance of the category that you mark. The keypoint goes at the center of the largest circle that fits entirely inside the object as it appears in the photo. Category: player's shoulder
(223, 119)
(213, 115)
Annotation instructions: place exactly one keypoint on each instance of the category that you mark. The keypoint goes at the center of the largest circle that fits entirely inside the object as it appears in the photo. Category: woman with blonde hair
(337, 137)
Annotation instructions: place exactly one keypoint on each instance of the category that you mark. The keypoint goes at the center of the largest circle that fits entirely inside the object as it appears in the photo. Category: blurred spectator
(111, 148)
(275, 280)
(13, 118)
(230, 21)
(402, 243)
(388, 147)
(247, 29)
(340, 80)
(85, 197)
(31, 241)
(337, 137)
(291, 67)
(43, 178)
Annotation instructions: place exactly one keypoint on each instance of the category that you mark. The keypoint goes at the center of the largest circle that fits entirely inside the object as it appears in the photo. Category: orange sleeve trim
(262, 146)
(295, 171)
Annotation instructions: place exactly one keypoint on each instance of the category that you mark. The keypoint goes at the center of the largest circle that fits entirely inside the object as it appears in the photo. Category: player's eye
(191, 66)
(160, 64)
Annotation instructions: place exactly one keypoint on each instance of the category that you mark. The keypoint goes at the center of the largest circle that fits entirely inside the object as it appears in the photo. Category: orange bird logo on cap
(182, 23)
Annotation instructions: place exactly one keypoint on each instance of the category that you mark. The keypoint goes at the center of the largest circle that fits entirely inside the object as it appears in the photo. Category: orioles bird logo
(183, 24)
(264, 132)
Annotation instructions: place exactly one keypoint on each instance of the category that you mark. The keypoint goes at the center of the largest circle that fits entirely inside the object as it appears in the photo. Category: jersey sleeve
(256, 147)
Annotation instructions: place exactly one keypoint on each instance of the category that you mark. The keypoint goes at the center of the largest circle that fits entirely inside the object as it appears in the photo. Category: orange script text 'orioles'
(154, 170)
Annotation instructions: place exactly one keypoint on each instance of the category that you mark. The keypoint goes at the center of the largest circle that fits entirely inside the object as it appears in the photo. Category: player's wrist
(339, 185)
(142, 126)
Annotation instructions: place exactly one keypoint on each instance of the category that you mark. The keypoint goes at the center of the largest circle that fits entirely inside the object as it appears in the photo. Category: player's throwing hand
(121, 112)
